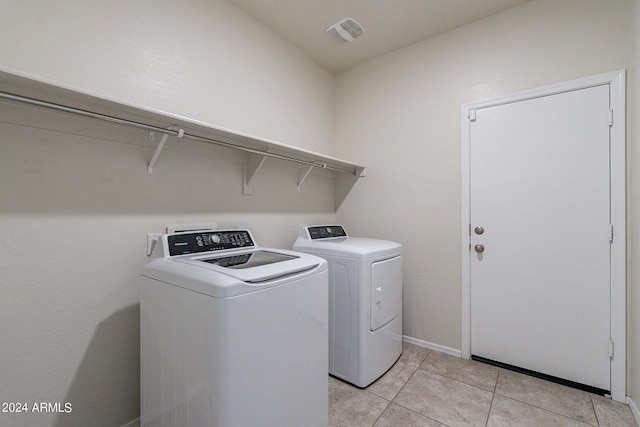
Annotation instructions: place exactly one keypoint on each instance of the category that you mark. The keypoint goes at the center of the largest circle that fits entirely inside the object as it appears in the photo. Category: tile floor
(428, 388)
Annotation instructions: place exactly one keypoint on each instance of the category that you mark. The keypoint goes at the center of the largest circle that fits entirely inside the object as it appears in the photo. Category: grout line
(419, 414)
(493, 396)
(405, 383)
(550, 410)
(381, 413)
(593, 407)
(394, 397)
(547, 410)
(402, 388)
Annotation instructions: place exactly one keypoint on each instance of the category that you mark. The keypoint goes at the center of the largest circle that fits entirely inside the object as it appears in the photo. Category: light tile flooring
(428, 388)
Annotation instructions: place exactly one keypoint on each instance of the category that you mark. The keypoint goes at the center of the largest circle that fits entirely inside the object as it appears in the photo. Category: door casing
(616, 81)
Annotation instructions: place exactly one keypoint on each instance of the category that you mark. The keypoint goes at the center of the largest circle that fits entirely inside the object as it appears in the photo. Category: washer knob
(215, 239)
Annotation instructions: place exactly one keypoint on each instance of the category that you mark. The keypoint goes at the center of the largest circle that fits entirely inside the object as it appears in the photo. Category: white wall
(75, 198)
(403, 112)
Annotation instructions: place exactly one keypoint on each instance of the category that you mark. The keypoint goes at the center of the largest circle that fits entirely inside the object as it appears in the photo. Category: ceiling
(389, 24)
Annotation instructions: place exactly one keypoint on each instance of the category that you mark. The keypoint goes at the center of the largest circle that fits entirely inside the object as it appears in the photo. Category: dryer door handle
(378, 298)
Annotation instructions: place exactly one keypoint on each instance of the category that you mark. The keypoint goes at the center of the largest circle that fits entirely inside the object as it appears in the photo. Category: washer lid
(249, 259)
(230, 274)
(255, 266)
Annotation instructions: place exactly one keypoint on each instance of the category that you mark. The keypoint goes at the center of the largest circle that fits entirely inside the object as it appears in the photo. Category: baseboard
(134, 423)
(634, 410)
(432, 346)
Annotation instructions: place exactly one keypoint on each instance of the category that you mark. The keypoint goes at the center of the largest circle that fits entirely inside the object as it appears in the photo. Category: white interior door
(540, 265)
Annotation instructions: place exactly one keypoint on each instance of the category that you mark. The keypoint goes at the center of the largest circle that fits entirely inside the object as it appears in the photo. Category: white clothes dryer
(233, 334)
(365, 301)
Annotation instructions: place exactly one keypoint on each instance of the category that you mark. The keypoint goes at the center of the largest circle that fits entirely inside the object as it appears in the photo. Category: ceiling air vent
(345, 31)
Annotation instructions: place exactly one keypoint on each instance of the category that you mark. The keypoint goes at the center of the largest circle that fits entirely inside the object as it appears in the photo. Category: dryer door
(386, 291)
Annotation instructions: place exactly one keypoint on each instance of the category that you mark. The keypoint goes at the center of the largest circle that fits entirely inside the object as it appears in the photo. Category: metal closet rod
(179, 132)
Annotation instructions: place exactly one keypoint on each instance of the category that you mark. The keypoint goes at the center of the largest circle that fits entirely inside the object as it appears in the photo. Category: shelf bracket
(304, 176)
(154, 159)
(249, 171)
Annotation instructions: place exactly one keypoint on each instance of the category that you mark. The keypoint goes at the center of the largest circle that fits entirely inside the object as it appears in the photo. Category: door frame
(617, 83)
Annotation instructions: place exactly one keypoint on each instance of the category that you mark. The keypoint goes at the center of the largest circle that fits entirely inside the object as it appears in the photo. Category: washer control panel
(208, 241)
(326, 232)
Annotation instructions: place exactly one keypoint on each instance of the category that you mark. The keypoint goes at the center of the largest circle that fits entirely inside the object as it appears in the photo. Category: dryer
(365, 301)
(233, 334)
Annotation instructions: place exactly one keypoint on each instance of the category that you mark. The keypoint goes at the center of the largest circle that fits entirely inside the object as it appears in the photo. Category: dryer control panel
(326, 231)
(208, 241)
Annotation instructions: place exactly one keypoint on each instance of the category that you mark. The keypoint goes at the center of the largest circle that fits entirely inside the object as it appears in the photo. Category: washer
(233, 334)
(365, 301)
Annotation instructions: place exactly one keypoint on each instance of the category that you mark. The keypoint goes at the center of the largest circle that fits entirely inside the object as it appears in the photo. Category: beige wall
(75, 198)
(69, 309)
(399, 114)
(205, 60)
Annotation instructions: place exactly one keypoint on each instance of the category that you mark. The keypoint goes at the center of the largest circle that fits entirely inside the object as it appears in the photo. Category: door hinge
(610, 232)
(472, 115)
(610, 117)
(611, 348)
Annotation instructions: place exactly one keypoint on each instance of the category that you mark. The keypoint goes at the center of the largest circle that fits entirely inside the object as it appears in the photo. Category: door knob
(479, 230)
(479, 248)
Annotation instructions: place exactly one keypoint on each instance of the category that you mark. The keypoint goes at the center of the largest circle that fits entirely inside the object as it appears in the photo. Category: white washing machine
(365, 301)
(233, 334)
